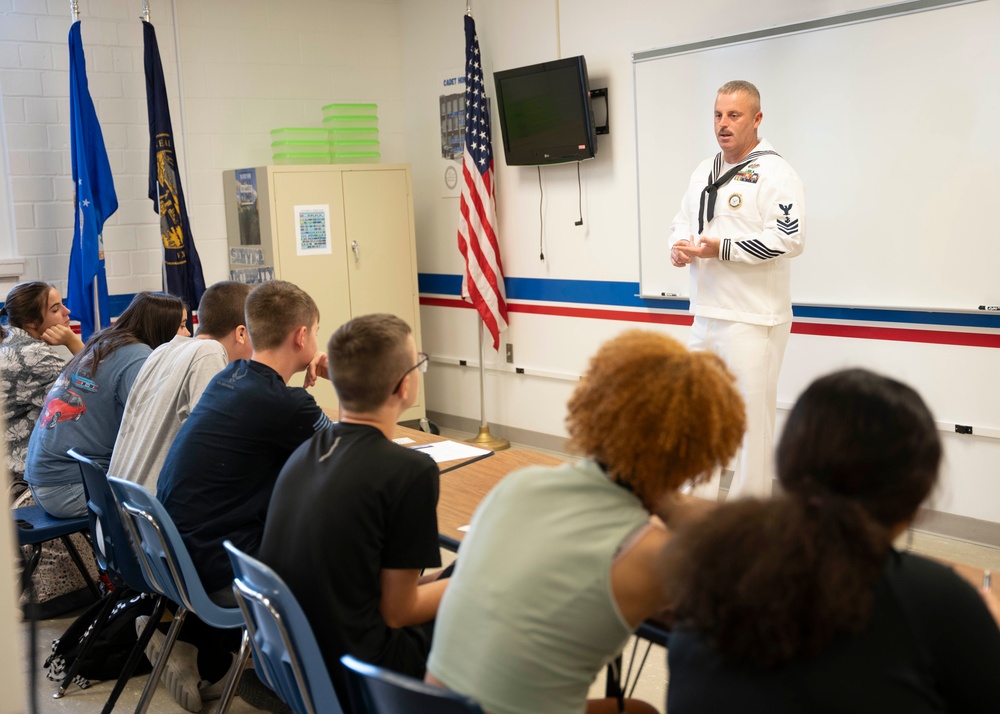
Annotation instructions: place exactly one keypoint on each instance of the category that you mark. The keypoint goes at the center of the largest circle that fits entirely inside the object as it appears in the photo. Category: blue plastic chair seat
(110, 539)
(44, 527)
(286, 654)
(36, 526)
(376, 690)
(114, 556)
(168, 570)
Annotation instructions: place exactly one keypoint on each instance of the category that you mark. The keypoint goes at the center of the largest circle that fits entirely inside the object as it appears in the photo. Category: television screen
(545, 113)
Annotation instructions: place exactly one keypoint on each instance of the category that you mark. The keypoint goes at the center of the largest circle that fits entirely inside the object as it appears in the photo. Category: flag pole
(484, 439)
(97, 304)
(74, 7)
(145, 10)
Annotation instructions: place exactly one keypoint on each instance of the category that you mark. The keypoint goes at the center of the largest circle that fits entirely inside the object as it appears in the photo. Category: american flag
(477, 238)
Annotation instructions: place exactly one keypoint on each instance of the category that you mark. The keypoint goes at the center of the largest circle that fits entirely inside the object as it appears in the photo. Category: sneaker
(181, 673)
(258, 695)
(214, 690)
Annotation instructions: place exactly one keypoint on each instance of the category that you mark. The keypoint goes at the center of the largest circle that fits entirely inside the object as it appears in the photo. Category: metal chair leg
(233, 681)
(138, 651)
(161, 661)
(78, 561)
(110, 601)
(28, 566)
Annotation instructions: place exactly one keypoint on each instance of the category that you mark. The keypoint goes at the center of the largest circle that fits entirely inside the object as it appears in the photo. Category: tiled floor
(651, 685)
(79, 700)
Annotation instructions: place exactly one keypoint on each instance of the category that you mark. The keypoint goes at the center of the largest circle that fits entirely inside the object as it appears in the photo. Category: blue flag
(95, 197)
(184, 277)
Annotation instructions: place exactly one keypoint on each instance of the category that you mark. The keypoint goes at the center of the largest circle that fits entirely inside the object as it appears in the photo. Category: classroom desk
(465, 487)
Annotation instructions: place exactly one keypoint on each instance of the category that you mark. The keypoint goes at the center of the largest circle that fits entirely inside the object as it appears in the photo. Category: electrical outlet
(510, 353)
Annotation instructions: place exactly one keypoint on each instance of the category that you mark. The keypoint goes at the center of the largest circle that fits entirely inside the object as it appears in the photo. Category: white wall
(252, 66)
(956, 381)
(246, 68)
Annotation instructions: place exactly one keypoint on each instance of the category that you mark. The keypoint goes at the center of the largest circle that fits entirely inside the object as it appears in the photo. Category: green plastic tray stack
(349, 136)
(300, 146)
(352, 132)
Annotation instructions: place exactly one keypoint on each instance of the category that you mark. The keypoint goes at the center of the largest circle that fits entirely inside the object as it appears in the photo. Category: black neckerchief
(715, 182)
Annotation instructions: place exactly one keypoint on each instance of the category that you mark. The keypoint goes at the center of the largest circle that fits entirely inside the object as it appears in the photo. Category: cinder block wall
(245, 68)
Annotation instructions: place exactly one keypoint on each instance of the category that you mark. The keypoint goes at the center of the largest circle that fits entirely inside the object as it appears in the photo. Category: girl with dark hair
(84, 407)
(801, 604)
(35, 321)
(560, 563)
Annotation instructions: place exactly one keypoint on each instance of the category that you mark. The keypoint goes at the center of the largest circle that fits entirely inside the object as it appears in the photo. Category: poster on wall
(246, 265)
(312, 227)
(451, 107)
(246, 201)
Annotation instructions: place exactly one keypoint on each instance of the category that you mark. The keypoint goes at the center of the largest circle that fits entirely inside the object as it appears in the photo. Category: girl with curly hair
(800, 604)
(560, 563)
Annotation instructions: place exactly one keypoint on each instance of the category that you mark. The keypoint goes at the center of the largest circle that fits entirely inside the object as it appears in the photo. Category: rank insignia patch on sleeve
(787, 225)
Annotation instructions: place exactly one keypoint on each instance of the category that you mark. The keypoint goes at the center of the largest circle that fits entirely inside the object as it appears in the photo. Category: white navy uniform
(742, 299)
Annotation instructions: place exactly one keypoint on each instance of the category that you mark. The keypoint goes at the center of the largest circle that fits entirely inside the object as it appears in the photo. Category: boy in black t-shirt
(353, 517)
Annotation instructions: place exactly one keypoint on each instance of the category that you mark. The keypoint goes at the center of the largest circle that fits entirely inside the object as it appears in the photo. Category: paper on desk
(442, 451)
(403, 440)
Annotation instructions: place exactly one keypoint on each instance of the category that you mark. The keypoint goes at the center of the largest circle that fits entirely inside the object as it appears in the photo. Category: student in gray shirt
(172, 380)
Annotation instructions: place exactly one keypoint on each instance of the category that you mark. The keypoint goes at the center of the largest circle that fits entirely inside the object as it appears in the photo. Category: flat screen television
(545, 113)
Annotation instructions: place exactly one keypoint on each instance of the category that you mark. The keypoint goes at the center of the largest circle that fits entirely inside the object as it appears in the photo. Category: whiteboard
(894, 127)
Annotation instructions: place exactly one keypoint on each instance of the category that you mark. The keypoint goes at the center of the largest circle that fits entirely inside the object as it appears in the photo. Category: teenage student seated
(172, 380)
(801, 604)
(353, 518)
(560, 563)
(84, 407)
(36, 322)
(217, 479)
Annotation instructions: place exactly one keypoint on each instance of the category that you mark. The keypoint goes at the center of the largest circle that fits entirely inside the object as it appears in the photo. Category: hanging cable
(541, 251)
(579, 194)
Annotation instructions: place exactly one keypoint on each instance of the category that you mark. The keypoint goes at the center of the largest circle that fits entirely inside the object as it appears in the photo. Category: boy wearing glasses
(353, 518)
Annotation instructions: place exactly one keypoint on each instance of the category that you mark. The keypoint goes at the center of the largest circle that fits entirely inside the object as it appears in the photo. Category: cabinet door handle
(357, 250)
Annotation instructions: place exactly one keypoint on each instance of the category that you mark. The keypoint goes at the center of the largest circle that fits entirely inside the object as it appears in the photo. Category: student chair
(285, 652)
(375, 690)
(616, 685)
(169, 571)
(115, 557)
(36, 527)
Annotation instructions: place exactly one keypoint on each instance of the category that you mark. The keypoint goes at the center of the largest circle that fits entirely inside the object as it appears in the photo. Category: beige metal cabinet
(343, 233)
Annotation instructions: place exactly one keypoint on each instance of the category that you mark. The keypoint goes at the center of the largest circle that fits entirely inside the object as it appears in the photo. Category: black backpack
(110, 650)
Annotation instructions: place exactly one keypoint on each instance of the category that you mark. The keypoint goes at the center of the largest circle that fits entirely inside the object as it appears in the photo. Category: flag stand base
(485, 440)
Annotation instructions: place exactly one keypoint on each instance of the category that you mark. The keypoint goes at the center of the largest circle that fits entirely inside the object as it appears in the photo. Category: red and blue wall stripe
(612, 300)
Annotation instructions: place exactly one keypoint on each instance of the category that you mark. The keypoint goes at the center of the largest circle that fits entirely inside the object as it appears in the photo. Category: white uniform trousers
(753, 354)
